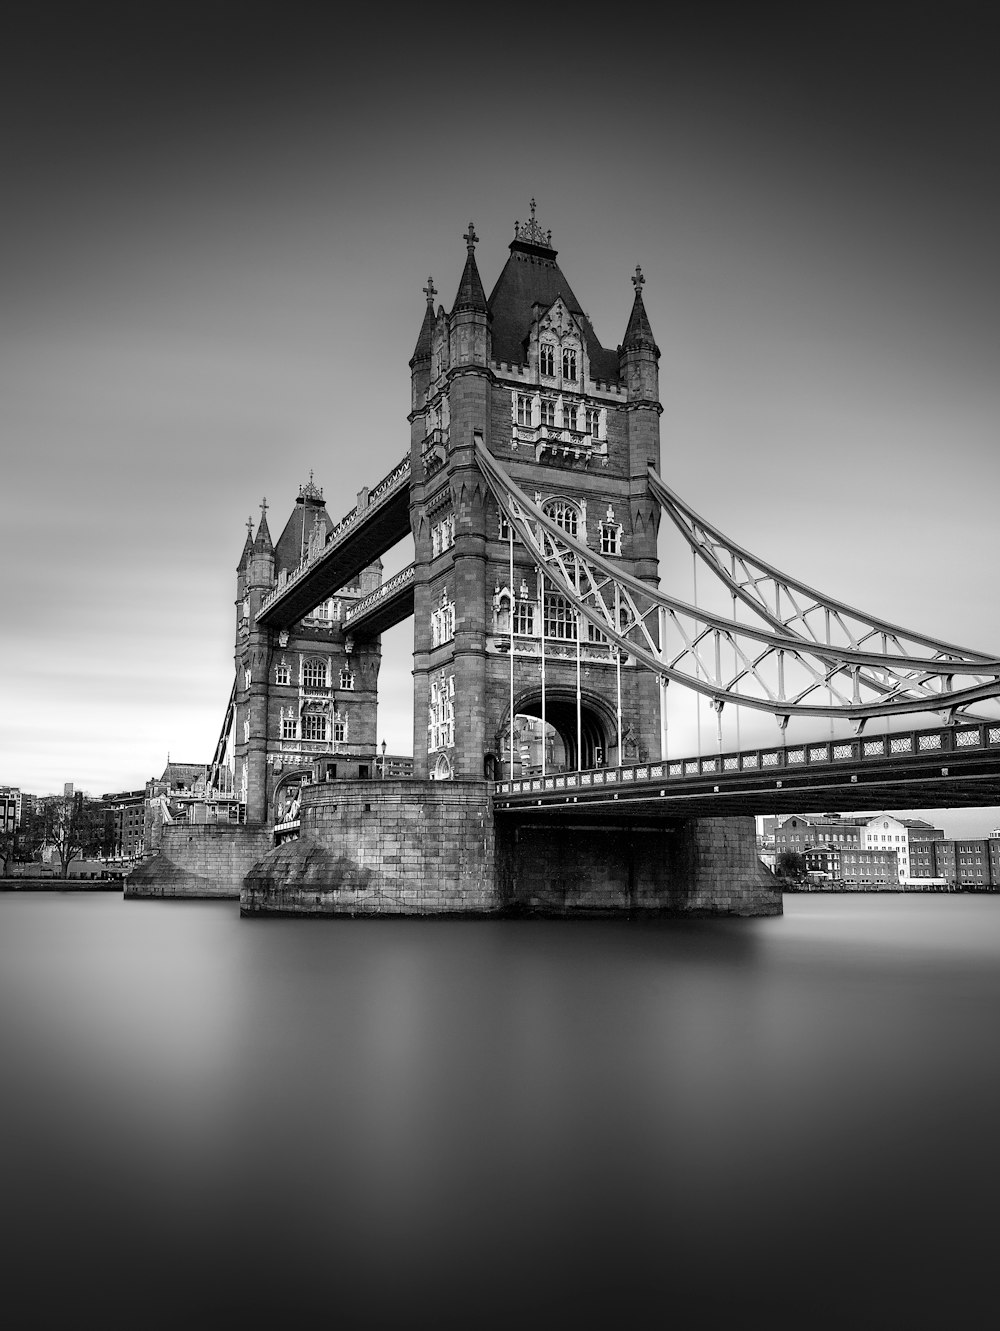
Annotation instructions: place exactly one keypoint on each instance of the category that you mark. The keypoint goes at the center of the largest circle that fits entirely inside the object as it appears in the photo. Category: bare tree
(73, 825)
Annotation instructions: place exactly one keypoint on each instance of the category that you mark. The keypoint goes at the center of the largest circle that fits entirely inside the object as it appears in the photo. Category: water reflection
(499, 1123)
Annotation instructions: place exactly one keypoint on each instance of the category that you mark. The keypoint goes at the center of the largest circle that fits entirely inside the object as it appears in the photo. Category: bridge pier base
(382, 848)
(433, 848)
(706, 866)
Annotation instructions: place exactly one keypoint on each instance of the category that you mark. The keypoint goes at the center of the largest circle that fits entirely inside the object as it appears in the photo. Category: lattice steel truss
(810, 655)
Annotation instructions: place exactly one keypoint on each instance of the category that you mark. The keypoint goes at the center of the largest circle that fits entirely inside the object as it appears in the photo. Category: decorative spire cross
(250, 528)
(430, 291)
(263, 508)
(638, 280)
(470, 237)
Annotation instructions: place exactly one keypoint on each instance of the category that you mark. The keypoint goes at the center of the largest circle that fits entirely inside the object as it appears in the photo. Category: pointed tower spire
(247, 548)
(422, 351)
(639, 334)
(471, 295)
(263, 545)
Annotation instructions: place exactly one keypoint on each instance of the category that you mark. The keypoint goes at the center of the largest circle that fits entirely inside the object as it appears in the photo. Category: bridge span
(954, 766)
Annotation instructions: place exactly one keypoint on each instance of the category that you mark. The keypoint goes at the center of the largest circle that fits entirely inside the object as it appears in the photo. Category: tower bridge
(533, 494)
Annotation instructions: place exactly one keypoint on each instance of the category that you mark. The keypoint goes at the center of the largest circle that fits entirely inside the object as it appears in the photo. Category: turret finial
(250, 528)
(470, 237)
(311, 490)
(532, 232)
(263, 507)
(638, 280)
(430, 291)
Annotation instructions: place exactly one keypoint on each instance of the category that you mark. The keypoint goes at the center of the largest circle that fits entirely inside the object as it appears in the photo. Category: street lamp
(383, 760)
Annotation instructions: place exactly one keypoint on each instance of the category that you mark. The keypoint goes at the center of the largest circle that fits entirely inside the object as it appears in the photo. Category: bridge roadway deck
(952, 767)
(357, 541)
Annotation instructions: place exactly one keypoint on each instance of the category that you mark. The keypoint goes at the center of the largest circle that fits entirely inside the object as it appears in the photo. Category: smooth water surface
(209, 1121)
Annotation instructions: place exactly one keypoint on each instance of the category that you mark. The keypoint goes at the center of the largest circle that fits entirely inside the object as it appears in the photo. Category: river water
(209, 1121)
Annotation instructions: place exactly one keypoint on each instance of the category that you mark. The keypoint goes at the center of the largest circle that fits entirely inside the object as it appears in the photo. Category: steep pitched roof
(262, 545)
(639, 334)
(471, 295)
(422, 351)
(532, 277)
(294, 538)
(247, 549)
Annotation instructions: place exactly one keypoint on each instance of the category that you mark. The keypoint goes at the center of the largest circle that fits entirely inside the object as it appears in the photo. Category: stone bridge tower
(576, 425)
(305, 697)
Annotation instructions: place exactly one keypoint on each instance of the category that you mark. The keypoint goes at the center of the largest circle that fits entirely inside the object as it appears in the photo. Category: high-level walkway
(379, 520)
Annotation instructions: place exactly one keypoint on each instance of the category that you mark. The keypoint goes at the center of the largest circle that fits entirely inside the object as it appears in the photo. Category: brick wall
(202, 860)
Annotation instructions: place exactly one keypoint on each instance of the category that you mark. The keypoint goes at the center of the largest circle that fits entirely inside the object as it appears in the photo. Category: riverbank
(61, 884)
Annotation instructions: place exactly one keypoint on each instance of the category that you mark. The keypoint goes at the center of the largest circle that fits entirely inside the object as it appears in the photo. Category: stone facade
(203, 860)
(707, 866)
(304, 702)
(382, 848)
(576, 426)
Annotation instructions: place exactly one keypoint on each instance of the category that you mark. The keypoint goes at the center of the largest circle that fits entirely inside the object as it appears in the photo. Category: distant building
(798, 833)
(10, 809)
(10, 797)
(870, 868)
(823, 860)
(182, 795)
(127, 812)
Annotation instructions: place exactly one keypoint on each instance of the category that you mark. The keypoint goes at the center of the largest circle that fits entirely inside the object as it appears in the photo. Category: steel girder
(783, 665)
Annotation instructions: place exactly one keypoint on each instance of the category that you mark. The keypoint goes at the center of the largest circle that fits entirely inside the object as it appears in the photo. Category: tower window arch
(314, 673)
(547, 359)
(565, 513)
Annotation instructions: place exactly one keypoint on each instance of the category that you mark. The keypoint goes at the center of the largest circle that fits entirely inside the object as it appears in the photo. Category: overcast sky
(217, 222)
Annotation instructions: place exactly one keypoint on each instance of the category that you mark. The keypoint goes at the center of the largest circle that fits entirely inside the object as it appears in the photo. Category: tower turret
(420, 361)
(241, 567)
(470, 315)
(260, 566)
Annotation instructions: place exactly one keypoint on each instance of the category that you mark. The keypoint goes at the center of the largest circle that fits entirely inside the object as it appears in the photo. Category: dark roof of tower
(262, 545)
(422, 351)
(532, 277)
(247, 549)
(471, 295)
(294, 538)
(639, 334)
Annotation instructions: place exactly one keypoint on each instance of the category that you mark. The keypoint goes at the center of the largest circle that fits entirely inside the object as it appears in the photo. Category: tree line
(75, 827)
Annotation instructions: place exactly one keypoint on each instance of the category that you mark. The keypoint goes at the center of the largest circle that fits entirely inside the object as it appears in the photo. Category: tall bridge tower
(576, 425)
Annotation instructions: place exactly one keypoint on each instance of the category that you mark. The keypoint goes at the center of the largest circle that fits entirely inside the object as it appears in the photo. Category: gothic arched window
(314, 673)
(567, 515)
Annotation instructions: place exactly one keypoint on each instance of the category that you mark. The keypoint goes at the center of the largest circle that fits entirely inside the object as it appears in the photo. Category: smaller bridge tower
(305, 697)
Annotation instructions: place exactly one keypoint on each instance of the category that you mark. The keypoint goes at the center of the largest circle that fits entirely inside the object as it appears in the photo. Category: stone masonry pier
(415, 847)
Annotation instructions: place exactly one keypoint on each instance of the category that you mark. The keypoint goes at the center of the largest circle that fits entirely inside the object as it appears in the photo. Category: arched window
(566, 514)
(347, 678)
(314, 673)
(281, 675)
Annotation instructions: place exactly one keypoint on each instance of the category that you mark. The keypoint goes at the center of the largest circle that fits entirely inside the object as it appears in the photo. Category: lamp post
(383, 760)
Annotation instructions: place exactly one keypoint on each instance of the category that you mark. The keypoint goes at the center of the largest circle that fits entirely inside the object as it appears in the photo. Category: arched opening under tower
(570, 737)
